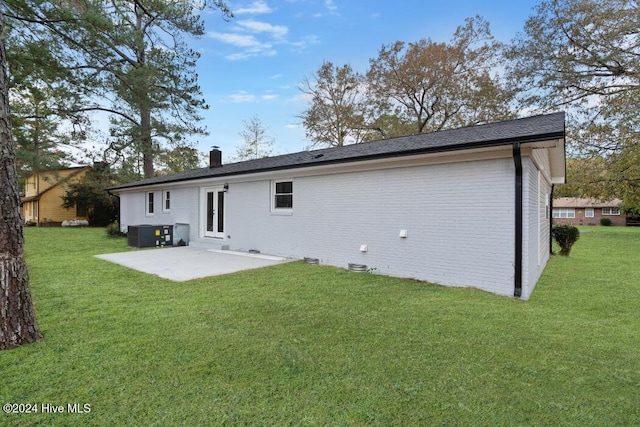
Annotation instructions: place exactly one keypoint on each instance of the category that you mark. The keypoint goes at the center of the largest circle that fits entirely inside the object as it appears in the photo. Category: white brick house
(462, 207)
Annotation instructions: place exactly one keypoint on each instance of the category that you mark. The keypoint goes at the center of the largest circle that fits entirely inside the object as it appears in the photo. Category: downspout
(551, 221)
(517, 282)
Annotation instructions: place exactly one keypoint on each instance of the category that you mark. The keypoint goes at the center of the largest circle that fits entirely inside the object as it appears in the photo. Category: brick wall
(459, 219)
(581, 219)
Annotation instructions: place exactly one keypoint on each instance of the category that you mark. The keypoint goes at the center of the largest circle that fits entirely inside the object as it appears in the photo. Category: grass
(297, 344)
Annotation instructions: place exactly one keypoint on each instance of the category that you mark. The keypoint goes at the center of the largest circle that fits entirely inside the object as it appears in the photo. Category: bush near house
(113, 230)
(566, 236)
(605, 221)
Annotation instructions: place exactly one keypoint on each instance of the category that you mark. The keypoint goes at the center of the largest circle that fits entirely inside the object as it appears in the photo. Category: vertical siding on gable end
(536, 230)
(459, 218)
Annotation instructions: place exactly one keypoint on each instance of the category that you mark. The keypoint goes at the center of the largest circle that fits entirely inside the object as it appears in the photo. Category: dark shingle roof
(530, 129)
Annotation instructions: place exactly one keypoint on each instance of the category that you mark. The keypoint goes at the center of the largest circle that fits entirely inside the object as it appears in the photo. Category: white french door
(214, 212)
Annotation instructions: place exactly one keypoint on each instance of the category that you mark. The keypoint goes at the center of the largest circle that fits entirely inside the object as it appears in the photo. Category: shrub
(605, 221)
(113, 230)
(566, 236)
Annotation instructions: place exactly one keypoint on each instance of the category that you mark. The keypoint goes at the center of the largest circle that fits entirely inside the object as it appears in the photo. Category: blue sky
(254, 63)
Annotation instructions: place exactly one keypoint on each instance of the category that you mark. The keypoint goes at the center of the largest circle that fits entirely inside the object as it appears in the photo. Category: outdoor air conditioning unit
(149, 236)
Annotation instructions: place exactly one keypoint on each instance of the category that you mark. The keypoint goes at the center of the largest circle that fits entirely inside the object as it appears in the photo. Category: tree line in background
(410, 88)
(128, 59)
(583, 56)
(579, 56)
(131, 60)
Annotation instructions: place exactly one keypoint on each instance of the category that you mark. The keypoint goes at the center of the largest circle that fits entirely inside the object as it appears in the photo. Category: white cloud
(303, 44)
(331, 9)
(256, 8)
(269, 97)
(239, 40)
(242, 97)
(331, 6)
(251, 45)
(250, 54)
(239, 56)
(255, 38)
(300, 98)
(277, 31)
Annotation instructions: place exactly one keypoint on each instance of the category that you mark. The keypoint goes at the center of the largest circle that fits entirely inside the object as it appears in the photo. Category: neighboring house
(463, 207)
(42, 201)
(575, 211)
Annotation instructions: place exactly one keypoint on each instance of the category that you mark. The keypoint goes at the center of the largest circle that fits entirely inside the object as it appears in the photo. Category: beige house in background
(576, 211)
(42, 201)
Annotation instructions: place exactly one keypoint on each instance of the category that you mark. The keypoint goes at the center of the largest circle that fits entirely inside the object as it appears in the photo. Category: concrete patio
(185, 263)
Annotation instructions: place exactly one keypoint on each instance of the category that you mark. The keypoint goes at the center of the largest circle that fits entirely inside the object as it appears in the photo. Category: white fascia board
(557, 165)
(486, 153)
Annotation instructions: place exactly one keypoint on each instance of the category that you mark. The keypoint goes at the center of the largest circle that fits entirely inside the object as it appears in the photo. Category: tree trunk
(146, 141)
(17, 318)
(143, 95)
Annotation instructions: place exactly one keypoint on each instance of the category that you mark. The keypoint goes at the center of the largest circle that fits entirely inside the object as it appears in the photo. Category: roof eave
(541, 138)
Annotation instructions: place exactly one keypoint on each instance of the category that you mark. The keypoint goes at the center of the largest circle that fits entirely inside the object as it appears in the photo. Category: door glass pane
(210, 211)
(220, 212)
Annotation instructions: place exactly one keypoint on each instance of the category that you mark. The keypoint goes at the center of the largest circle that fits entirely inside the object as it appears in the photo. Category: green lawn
(298, 344)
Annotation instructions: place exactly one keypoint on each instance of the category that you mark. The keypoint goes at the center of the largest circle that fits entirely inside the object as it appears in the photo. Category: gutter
(517, 281)
(323, 157)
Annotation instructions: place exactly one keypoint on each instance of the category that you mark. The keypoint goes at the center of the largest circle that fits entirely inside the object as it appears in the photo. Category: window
(610, 211)
(564, 213)
(588, 213)
(546, 205)
(81, 211)
(166, 206)
(149, 203)
(283, 195)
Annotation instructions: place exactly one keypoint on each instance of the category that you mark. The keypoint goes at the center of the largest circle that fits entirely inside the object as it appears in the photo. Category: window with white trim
(564, 213)
(149, 203)
(589, 213)
(166, 201)
(610, 211)
(282, 199)
(546, 205)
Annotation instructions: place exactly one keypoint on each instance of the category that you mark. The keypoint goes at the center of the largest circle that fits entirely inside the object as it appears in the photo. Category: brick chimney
(215, 157)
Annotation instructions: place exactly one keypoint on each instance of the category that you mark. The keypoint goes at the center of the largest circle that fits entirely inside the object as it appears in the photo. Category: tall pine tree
(129, 59)
(17, 317)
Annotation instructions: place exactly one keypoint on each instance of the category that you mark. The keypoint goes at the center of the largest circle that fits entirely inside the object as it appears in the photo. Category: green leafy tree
(44, 99)
(336, 115)
(38, 136)
(149, 72)
(411, 88)
(441, 85)
(129, 58)
(389, 126)
(90, 194)
(582, 56)
(179, 159)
